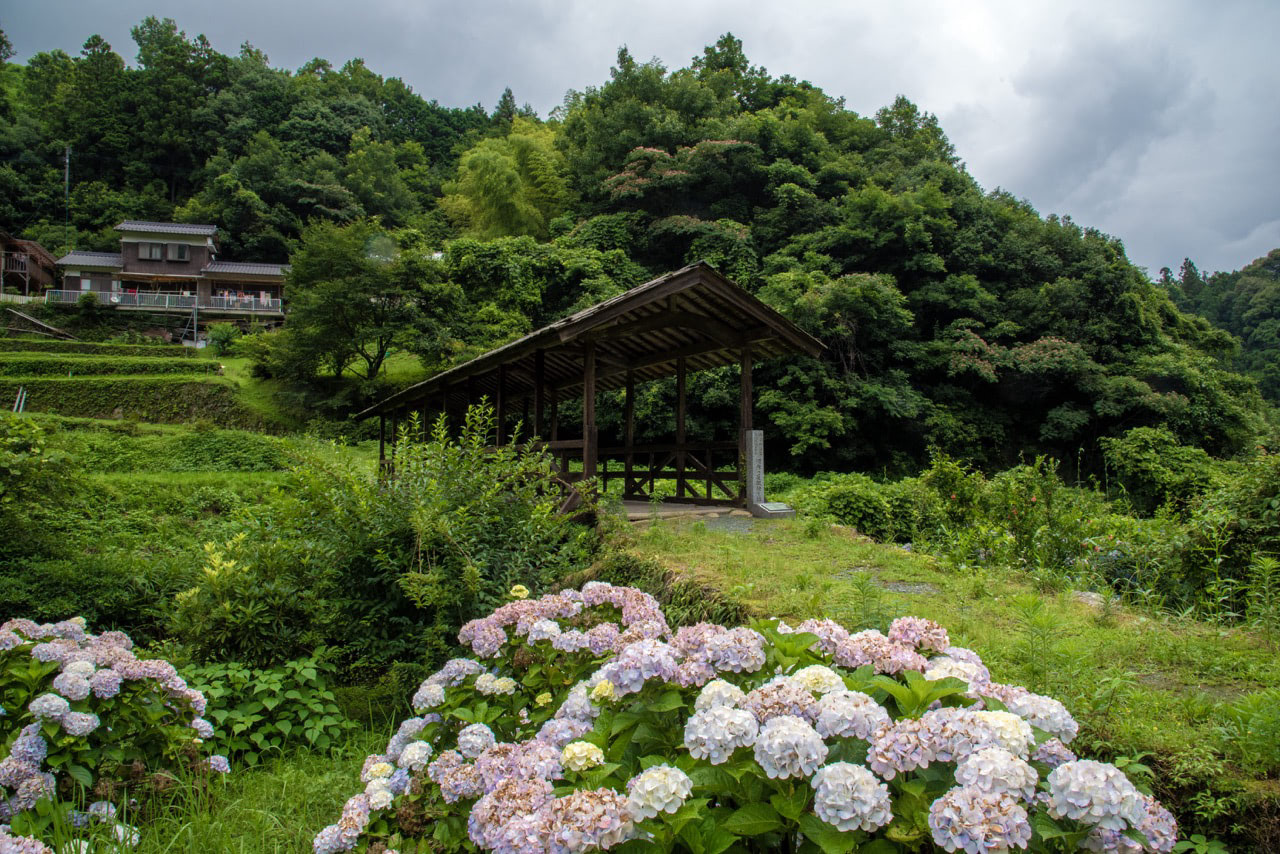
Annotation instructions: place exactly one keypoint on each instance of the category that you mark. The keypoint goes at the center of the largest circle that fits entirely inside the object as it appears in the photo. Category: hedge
(50, 345)
(159, 398)
(49, 365)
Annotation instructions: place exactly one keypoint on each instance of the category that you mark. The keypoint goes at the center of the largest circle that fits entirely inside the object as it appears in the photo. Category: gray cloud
(1155, 120)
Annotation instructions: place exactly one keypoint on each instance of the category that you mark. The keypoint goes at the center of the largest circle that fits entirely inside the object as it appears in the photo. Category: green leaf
(753, 820)
(792, 805)
(668, 702)
(828, 838)
(81, 775)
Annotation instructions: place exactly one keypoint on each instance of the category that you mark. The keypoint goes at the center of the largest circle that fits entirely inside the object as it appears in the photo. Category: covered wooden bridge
(690, 320)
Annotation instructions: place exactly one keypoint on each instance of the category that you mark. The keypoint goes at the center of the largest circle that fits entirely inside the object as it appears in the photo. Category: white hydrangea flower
(504, 685)
(1012, 732)
(788, 747)
(1095, 793)
(1045, 712)
(543, 630)
(942, 667)
(415, 755)
(819, 679)
(661, 788)
(474, 740)
(80, 669)
(849, 797)
(429, 696)
(718, 692)
(581, 756)
(994, 769)
(379, 794)
(850, 714)
(713, 734)
(378, 771)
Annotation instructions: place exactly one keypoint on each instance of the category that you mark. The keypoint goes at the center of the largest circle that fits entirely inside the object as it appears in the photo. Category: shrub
(710, 739)
(916, 511)
(85, 720)
(262, 710)
(222, 338)
(166, 398)
(856, 500)
(384, 570)
(150, 348)
(1155, 469)
(51, 365)
(32, 477)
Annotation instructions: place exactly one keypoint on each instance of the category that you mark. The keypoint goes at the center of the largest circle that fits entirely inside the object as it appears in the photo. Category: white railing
(7, 297)
(121, 299)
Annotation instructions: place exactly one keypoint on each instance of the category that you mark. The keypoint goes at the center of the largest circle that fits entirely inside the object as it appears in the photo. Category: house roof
(76, 258)
(44, 256)
(245, 268)
(168, 227)
(693, 314)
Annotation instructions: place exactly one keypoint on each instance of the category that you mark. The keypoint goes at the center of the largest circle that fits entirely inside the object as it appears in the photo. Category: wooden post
(500, 403)
(590, 444)
(382, 440)
(744, 419)
(444, 405)
(554, 432)
(629, 440)
(680, 437)
(539, 391)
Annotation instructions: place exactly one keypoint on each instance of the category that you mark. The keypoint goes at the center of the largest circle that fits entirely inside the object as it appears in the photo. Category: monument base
(772, 510)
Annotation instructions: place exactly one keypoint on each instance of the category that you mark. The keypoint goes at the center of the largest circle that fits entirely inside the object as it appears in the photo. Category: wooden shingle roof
(694, 314)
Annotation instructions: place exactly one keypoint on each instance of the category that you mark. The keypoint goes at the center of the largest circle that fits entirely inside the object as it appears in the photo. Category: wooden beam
(680, 412)
(722, 332)
(500, 403)
(539, 390)
(744, 422)
(629, 437)
(589, 439)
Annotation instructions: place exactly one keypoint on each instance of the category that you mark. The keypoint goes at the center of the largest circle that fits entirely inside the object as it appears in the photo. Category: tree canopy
(957, 319)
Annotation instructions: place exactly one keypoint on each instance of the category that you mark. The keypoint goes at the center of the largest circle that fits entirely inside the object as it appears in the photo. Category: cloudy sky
(1157, 121)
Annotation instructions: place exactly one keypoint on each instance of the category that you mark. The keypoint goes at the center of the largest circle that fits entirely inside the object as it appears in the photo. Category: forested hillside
(957, 318)
(1246, 303)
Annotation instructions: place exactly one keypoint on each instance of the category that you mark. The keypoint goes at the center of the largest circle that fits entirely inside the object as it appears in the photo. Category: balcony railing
(121, 299)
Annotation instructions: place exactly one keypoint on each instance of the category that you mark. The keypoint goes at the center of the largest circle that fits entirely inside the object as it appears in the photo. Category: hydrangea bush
(84, 721)
(585, 722)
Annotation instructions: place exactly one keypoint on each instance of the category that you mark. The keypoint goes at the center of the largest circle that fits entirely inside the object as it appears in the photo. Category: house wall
(198, 255)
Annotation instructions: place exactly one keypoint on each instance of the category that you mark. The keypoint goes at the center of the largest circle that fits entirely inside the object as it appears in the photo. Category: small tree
(348, 305)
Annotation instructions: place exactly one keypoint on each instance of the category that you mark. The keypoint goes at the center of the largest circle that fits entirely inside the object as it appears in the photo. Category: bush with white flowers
(83, 720)
(584, 722)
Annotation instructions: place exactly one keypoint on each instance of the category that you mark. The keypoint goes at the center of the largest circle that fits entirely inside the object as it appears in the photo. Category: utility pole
(66, 226)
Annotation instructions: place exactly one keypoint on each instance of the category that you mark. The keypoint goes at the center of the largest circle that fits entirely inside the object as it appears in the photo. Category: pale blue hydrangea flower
(79, 723)
(788, 746)
(50, 706)
(994, 769)
(848, 714)
(474, 740)
(849, 797)
(973, 821)
(1096, 793)
(713, 734)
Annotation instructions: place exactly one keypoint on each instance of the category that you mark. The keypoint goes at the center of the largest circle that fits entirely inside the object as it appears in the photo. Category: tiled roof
(245, 268)
(168, 227)
(91, 259)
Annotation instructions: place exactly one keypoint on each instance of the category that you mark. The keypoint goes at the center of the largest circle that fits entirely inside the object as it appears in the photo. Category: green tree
(349, 300)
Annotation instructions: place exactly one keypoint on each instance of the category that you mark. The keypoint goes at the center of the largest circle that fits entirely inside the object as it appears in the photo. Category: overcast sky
(1155, 121)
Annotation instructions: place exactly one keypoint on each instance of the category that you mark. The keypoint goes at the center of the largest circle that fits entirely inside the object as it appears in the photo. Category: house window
(115, 284)
(151, 251)
(178, 252)
(86, 284)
